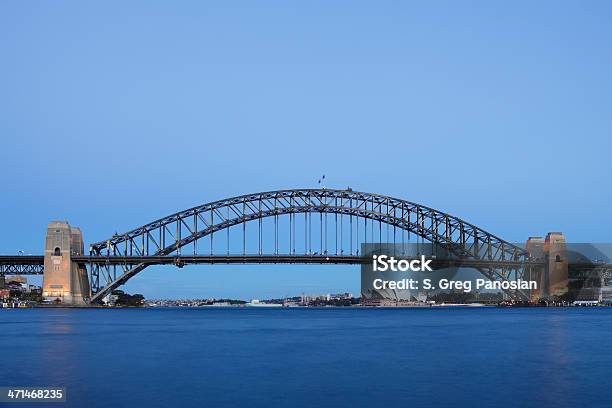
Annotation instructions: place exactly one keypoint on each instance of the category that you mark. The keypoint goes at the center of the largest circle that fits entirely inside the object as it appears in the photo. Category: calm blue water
(312, 357)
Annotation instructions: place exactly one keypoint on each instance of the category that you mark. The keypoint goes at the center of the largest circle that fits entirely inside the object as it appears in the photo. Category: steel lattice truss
(21, 265)
(21, 269)
(170, 235)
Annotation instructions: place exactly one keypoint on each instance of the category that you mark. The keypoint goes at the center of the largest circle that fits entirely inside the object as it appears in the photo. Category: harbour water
(442, 357)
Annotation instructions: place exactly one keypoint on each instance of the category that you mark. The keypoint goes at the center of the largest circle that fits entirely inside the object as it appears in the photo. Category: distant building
(16, 278)
(110, 300)
(606, 295)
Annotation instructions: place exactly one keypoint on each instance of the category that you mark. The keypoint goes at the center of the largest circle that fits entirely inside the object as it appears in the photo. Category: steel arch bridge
(357, 217)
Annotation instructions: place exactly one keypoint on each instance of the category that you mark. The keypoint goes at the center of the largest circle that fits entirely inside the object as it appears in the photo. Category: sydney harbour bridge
(307, 226)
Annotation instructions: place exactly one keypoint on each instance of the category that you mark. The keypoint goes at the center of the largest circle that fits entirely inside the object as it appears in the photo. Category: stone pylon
(64, 281)
(555, 247)
(552, 279)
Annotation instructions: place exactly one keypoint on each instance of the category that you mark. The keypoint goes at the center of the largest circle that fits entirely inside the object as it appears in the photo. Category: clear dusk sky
(115, 113)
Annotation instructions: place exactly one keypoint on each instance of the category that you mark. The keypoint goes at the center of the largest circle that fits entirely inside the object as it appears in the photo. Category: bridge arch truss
(179, 234)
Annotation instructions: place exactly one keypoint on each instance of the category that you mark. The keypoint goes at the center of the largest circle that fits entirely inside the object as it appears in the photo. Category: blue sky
(113, 114)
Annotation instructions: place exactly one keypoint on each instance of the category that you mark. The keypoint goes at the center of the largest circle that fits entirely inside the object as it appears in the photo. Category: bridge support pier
(64, 281)
(552, 279)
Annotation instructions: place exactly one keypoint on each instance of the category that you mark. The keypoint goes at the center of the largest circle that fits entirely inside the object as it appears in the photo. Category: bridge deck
(34, 264)
(244, 259)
